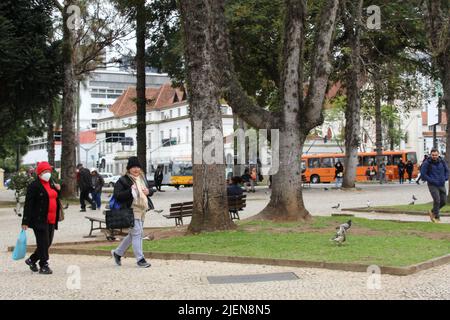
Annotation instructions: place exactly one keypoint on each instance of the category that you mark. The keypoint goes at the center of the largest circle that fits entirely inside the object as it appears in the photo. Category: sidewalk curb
(352, 267)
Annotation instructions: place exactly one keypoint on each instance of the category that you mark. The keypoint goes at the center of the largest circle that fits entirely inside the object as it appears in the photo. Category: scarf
(141, 200)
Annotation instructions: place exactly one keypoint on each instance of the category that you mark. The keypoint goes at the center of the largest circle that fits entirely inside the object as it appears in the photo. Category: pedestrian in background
(409, 170)
(401, 171)
(86, 188)
(339, 173)
(97, 183)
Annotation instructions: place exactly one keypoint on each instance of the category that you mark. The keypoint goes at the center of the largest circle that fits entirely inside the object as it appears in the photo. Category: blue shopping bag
(21, 246)
(113, 204)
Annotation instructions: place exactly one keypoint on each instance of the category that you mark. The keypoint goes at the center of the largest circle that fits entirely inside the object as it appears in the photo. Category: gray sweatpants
(439, 195)
(134, 238)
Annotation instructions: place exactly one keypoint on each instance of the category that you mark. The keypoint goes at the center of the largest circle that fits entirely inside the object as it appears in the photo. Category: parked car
(109, 178)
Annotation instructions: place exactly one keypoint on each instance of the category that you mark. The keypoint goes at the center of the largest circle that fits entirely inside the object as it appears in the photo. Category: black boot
(32, 265)
(45, 270)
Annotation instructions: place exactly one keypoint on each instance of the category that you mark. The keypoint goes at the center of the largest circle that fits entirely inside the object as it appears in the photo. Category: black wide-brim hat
(133, 162)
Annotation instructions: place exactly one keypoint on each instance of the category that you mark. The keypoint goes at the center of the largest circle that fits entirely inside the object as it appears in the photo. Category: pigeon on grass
(339, 238)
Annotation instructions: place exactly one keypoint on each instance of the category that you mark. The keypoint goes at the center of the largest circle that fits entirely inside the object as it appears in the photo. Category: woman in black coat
(133, 192)
(42, 213)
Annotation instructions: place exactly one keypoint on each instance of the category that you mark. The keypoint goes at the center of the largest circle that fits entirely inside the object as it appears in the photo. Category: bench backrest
(182, 208)
(236, 202)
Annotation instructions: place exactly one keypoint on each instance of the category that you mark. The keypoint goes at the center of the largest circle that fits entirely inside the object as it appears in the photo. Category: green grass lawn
(379, 242)
(425, 207)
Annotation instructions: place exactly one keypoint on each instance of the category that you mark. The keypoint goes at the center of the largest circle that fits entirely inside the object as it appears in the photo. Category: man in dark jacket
(159, 176)
(401, 171)
(86, 187)
(234, 189)
(409, 168)
(435, 171)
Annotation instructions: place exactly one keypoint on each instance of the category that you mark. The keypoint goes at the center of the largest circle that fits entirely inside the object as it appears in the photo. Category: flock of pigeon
(369, 203)
(340, 236)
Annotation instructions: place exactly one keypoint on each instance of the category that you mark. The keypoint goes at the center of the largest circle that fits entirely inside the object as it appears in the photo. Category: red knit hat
(42, 166)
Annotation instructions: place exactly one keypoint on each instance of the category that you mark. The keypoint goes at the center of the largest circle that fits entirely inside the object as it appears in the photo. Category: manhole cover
(281, 276)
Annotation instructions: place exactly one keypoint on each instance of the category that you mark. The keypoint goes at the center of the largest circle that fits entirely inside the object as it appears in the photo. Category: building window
(170, 133)
(149, 140)
(179, 112)
(162, 115)
(170, 112)
(188, 134)
(97, 108)
(178, 135)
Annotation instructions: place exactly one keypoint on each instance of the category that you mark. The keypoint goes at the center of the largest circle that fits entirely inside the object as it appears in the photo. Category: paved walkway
(100, 279)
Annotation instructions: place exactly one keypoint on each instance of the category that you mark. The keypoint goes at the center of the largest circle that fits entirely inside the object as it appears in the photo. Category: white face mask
(46, 176)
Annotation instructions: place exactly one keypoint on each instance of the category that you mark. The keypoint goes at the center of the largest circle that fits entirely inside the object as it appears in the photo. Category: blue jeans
(339, 181)
(134, 238)
(97, 198)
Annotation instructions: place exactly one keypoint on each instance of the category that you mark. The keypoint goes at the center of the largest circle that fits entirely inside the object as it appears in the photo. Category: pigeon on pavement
(414, 198)
(336, 206)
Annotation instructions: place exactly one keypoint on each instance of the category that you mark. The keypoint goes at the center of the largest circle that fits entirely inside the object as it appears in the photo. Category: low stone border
(353, 267)
(393, 211)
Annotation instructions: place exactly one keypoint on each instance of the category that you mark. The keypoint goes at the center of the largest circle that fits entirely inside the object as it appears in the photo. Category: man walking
(435, 172)
(86, 187)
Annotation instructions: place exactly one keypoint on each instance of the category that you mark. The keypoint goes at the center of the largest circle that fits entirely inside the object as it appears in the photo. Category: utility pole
(18, 157)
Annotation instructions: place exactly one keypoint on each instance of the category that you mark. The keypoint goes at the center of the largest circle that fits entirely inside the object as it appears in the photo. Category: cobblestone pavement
(101, 279)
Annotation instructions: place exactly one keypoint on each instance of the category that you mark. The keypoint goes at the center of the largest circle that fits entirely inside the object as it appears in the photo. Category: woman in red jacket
(41, 213)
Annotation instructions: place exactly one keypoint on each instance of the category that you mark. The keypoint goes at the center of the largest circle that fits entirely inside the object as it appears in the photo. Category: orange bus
(320, 167)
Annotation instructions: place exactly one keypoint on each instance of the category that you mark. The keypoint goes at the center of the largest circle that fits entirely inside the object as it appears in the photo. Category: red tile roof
(157, 98)
(88, 137)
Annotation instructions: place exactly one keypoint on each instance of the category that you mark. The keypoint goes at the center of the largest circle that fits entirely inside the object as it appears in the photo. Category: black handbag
(120, 218)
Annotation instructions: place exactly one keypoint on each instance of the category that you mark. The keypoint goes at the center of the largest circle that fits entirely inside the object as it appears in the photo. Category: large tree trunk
(297, 116)
(141, 101)
(210, 210)
(50, 134)
(68, 122)
(378, 125)
(437, 16)
(286, 201)
(353, 109)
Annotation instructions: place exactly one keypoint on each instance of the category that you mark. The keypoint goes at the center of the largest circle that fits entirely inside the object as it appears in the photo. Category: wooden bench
(236, 204)
(180, 210)
(110, 232)
(184, 209)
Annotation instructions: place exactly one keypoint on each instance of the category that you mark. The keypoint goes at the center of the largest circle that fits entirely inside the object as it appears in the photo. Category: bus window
(360, 161)
(388, 160)
(411, 156)
(327, 163)
(339, 159)
(396, 159)
(369, 161)
(313, 163)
